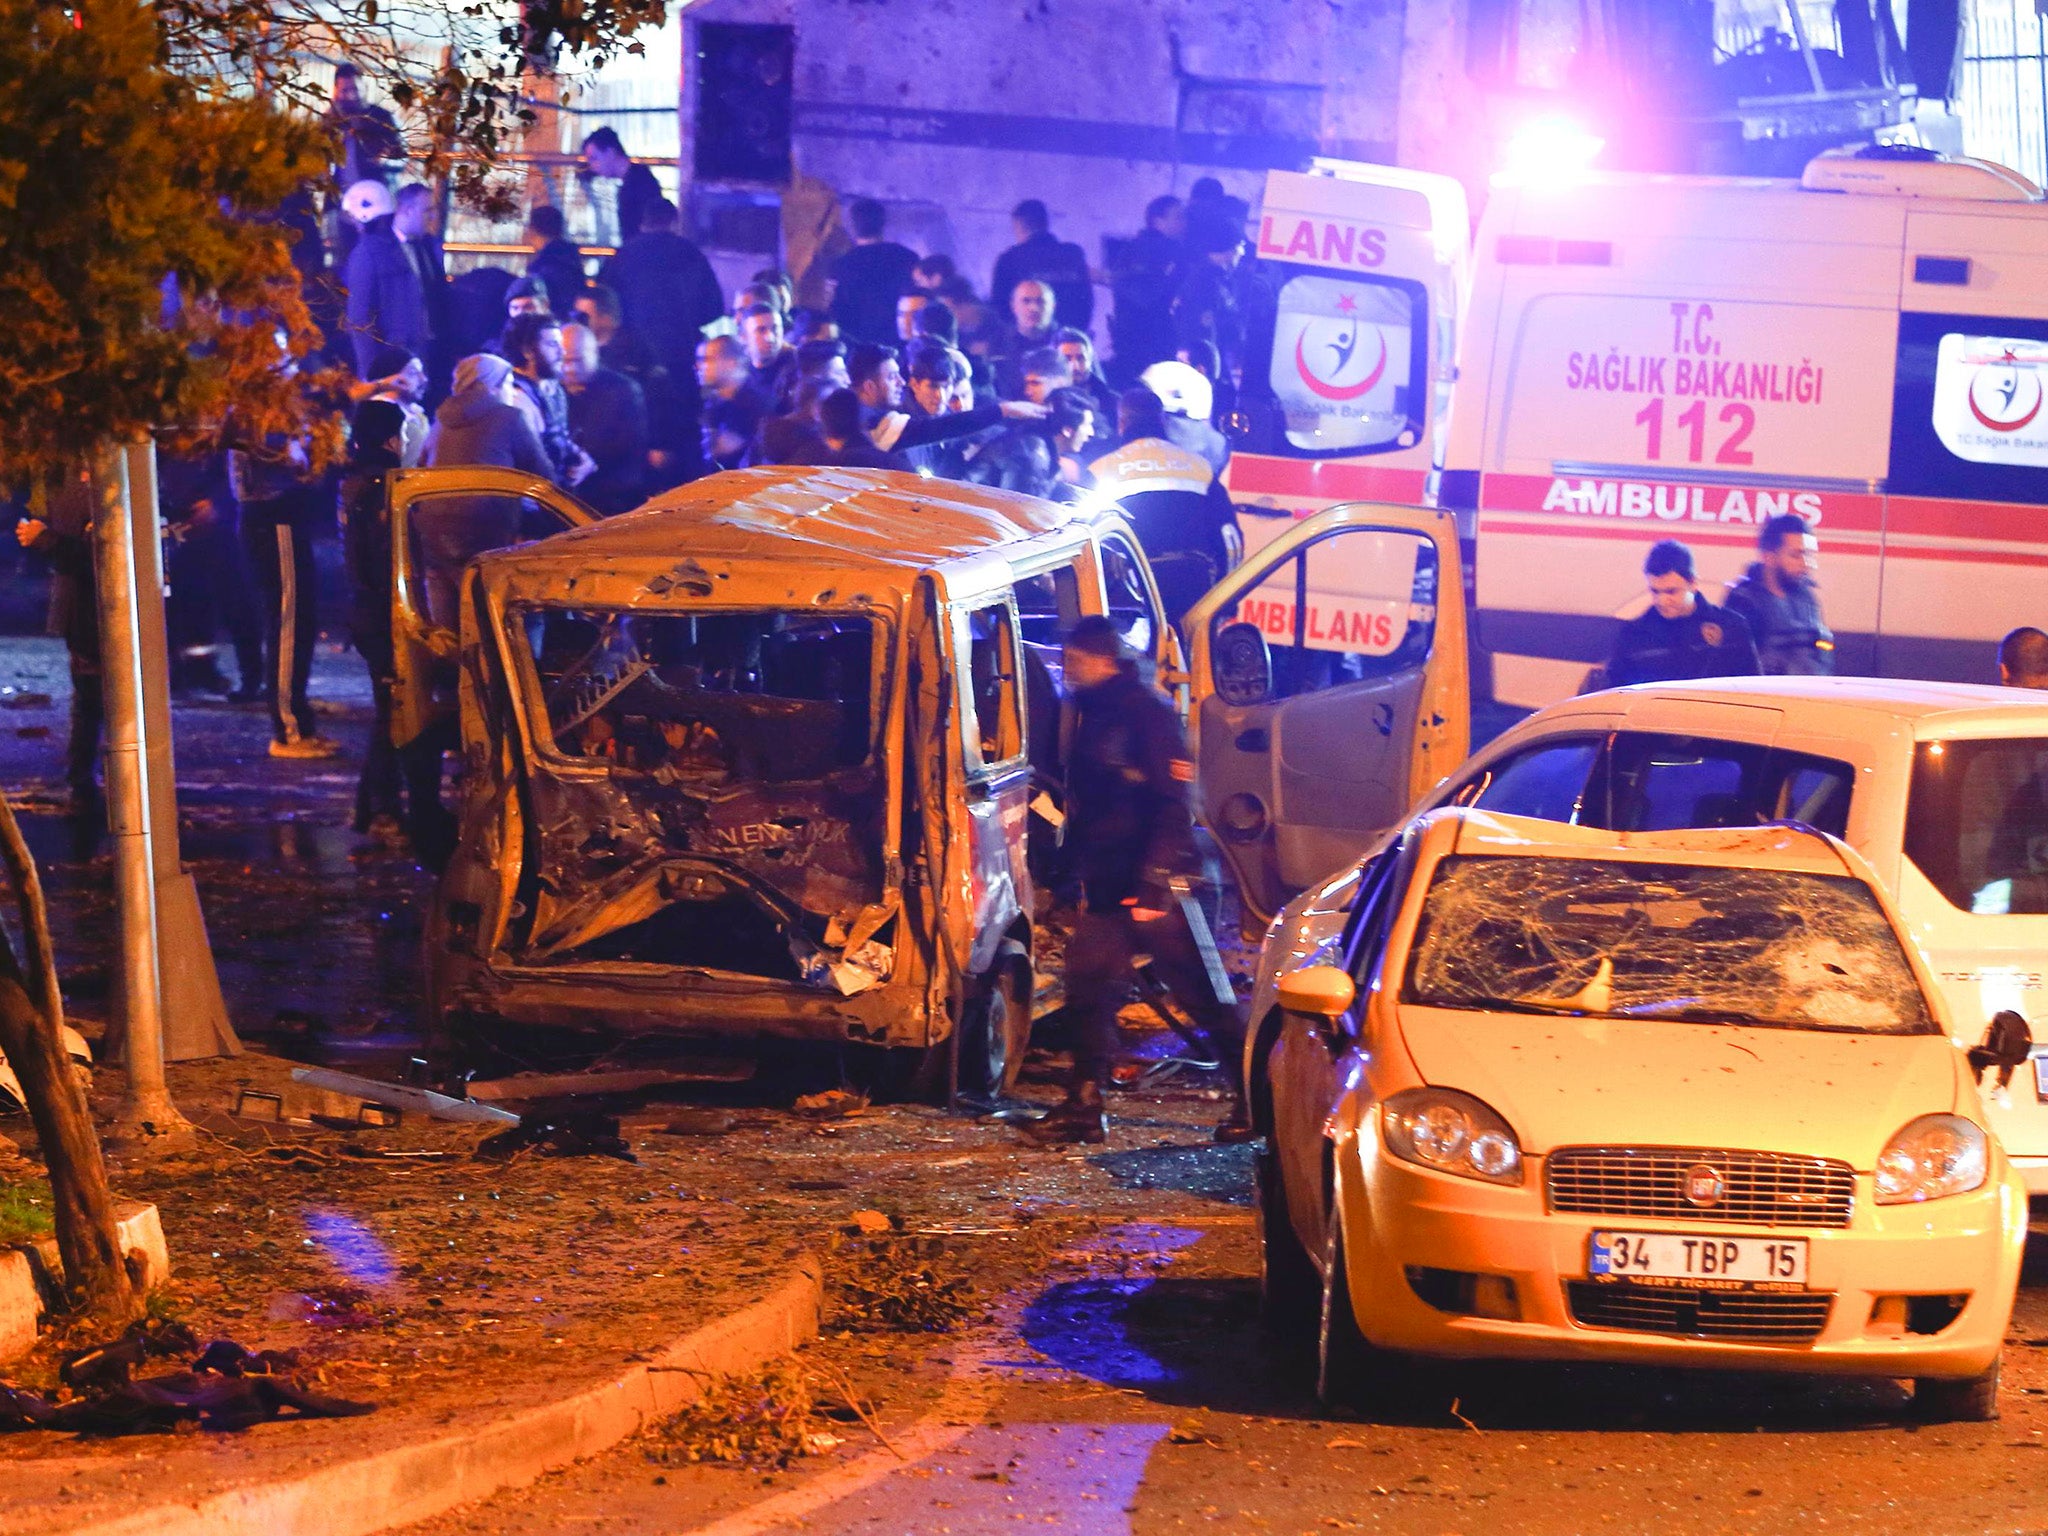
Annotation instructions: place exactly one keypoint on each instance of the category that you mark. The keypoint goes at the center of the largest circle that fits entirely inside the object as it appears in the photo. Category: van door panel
(1363, 615)
(441, 519)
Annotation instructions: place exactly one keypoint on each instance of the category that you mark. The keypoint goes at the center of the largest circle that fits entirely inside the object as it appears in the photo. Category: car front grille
(1764, 1317)
(1762, 1189)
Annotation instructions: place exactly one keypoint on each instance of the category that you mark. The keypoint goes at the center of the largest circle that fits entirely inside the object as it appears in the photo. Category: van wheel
(1350, 1371)
(1973, 1400)
(995, 1032)
(1290, 1291)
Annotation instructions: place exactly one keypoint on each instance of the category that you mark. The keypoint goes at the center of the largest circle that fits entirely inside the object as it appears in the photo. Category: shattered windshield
(1692, 943)
(759, 696)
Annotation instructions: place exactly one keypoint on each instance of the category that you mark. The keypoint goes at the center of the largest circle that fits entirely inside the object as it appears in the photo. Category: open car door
(1328, 675)
(441, 519)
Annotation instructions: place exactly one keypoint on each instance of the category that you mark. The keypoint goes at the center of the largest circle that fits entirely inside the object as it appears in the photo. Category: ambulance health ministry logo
(1342, 350)
(1340, 358)
(1988, 394)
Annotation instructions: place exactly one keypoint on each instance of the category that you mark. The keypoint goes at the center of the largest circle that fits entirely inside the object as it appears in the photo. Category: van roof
(1932, 709)
(862, 519)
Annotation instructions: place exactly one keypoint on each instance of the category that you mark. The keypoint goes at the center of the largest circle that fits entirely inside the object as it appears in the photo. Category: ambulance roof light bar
(1549, 150)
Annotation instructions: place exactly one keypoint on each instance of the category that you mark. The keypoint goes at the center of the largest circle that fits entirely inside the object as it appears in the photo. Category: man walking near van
(1778, 598)
(1131, 835)
(2023, 658)
(1681, 634)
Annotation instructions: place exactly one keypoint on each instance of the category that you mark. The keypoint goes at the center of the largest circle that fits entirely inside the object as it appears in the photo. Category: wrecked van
(774, 756)
(755, 761)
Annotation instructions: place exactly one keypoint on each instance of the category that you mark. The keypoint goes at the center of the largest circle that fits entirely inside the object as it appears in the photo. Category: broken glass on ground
(1688, 943)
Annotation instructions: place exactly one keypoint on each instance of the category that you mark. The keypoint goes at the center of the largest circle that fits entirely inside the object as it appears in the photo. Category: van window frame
(980, 767)
(1256, 390)
(523, 669)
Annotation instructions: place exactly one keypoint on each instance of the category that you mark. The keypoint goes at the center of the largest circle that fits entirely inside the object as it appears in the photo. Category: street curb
(417, 1482)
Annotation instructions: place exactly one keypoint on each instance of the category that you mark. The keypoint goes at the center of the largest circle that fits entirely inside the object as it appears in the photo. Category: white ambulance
(1652, 357)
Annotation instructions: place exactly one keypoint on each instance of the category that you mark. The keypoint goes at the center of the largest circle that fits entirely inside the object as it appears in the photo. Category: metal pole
(149, 1112)
(194, 1014)
(1805, 47)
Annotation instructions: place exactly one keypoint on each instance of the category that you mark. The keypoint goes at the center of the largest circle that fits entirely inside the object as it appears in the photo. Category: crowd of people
(621, 378)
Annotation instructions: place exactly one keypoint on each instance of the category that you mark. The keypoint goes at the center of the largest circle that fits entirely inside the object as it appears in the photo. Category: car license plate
(1721, 1263)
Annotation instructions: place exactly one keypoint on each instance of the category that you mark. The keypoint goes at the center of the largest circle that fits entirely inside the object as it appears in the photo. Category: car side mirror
(1318, 992)
(2007, 1044)
(1241, 665)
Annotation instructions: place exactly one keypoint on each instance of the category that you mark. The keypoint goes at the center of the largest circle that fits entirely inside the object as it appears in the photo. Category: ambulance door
(1328, 677)
(441, 519)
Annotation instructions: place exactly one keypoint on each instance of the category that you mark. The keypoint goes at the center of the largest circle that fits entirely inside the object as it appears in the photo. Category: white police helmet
(367, 200)
(1182, 388)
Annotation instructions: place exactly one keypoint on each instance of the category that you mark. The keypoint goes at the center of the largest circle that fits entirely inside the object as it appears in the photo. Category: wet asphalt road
(1127, 1388)
(1118, 1385)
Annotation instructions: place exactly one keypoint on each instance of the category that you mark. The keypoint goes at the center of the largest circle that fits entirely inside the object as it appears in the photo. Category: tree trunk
(96, 1278)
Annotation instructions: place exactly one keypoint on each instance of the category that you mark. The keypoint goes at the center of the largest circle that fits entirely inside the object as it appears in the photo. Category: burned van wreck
(753, 762)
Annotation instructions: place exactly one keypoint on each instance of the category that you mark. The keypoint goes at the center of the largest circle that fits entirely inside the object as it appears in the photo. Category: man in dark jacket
(846, 445)
(1681, 635)
(667, 290)
(555, 260)
(386, 293)
(1144, 275)
(374, 450)
(532, 344)
(731, 413)
(604, 156)
(272, 479)
(1778, 598)
(869, 279)
(608, 416)
(1058, 263)
(63, 537)
(1130, 839)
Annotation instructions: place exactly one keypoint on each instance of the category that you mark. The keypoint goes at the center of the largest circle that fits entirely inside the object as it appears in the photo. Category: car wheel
(1944, 1400)
(995, 1032)
(1290, 1291)
(1350, 1371)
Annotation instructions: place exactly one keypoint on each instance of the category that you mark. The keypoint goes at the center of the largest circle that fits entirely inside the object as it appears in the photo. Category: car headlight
(1451, 1132)
(1930, 1157)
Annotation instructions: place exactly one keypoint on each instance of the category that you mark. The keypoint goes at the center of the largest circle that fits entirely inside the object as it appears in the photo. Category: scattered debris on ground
(759, 1419)
(898, 1284)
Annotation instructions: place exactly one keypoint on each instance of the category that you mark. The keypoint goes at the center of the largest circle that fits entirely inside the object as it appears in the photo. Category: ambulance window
(1969, 421)
(1345, 366)
(1356, 604)
(995, 734)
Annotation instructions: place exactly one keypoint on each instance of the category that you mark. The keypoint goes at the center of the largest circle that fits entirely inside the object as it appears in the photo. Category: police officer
(1131, 839)
(1681, 634)
(1778, 597)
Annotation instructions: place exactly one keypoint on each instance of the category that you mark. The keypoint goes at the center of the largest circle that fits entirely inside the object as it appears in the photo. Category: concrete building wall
(954, 110)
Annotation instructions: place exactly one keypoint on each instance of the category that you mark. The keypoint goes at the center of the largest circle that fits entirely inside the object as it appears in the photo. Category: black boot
(1236, 1126)
(1081, 1119)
